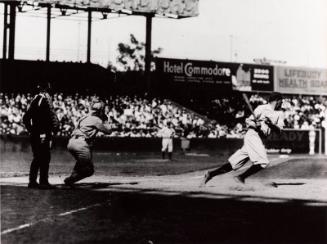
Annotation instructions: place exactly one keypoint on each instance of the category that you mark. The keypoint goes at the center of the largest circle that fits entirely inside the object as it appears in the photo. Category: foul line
(24, 226)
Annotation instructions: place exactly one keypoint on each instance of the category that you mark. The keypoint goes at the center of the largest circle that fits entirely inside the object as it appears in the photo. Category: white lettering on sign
(191, 70)
(176, 68)
(261, 73)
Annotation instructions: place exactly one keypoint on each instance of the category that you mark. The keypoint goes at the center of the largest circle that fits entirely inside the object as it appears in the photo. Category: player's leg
(35, 164)
(164, 147)
(227, 167)
(257, 154)
(34, 169)
(44, 167)
(237, 160)
(170, 149)
(82, 170)
(84, 166)
(73, 148)
(255, 168)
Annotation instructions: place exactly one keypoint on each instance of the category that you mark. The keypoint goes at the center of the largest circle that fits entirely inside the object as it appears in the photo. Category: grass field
(139, 198)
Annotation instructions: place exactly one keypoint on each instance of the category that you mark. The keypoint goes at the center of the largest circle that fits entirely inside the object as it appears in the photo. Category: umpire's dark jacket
(40, 117)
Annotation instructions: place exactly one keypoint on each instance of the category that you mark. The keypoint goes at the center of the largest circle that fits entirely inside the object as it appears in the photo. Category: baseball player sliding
(167, 133)
(80, 143)
(260, 124)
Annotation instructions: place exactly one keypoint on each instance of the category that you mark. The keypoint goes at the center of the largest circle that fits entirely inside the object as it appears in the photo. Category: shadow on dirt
(289, 184)
(96, 185)
(144, 216)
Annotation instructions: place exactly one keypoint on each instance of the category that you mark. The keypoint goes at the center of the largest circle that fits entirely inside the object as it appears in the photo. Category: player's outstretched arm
(104, 127)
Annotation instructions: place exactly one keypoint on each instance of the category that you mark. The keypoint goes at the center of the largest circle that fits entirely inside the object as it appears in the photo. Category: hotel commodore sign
(243, 77)
(191, 71)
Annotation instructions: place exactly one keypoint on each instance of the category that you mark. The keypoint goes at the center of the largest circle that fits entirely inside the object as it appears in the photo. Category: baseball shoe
(205, 179)
(239, 180)
(68, 182)
(47, 186)
(33, 185)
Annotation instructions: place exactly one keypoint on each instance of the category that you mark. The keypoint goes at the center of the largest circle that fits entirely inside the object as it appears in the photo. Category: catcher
(265, 119)
(80, 143)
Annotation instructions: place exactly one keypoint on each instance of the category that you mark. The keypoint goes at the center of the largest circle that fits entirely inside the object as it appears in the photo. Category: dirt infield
(158, 207)
(113, 163)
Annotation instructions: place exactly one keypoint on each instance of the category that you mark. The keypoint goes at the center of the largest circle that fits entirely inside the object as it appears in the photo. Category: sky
(292, 31)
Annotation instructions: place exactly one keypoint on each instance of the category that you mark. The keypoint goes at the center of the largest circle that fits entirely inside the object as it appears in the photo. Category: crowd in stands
(143, 117)
(131, 116)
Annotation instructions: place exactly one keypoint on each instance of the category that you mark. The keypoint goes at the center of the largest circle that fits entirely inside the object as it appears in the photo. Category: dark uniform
(41, 122)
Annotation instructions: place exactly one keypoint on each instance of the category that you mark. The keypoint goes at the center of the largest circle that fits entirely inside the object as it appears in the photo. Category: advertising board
(295, 80)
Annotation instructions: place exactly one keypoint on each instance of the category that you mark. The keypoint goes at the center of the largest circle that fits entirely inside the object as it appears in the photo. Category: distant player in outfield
(80, 143)
(265, 119)
(167, 134)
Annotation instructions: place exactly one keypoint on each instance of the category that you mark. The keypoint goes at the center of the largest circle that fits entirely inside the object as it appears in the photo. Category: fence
(290, 141)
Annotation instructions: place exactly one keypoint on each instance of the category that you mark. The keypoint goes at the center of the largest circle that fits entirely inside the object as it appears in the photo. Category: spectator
(138, 117)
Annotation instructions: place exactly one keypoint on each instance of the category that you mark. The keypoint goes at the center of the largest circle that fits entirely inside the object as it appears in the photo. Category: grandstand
(143, 116)
(127, 97)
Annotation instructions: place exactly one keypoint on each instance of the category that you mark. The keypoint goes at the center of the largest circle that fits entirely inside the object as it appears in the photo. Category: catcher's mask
(98, 108)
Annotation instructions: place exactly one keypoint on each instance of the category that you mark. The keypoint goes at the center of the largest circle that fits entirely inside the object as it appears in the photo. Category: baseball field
(140, 198)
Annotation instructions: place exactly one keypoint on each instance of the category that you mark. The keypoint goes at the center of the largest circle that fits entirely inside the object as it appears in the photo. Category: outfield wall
(290, 141)
(121, 144)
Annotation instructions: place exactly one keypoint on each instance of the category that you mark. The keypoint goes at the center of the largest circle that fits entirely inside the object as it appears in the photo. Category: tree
(132, 55)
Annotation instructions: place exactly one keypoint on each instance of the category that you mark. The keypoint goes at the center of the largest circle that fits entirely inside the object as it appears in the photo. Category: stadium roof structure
(148, 8)
(178, 8)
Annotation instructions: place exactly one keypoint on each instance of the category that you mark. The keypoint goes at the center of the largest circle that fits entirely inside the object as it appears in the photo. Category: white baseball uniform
(253, 147)
(167, 135)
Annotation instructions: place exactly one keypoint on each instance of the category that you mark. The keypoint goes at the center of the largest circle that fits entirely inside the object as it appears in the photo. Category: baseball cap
(97, 106)
(275, 96)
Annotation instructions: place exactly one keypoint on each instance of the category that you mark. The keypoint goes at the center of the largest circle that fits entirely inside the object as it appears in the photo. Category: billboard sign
(295, 80)
(292, 141)
(253, 77)
(242, 77)
(194, 71)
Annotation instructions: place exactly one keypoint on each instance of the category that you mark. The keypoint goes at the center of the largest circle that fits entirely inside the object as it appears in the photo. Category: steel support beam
(89, 36)
(48, 33)
(12, 30)
(148, 55)
(5, 26)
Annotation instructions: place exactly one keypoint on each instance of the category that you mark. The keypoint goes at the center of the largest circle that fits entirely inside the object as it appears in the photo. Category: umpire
(41, 122)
